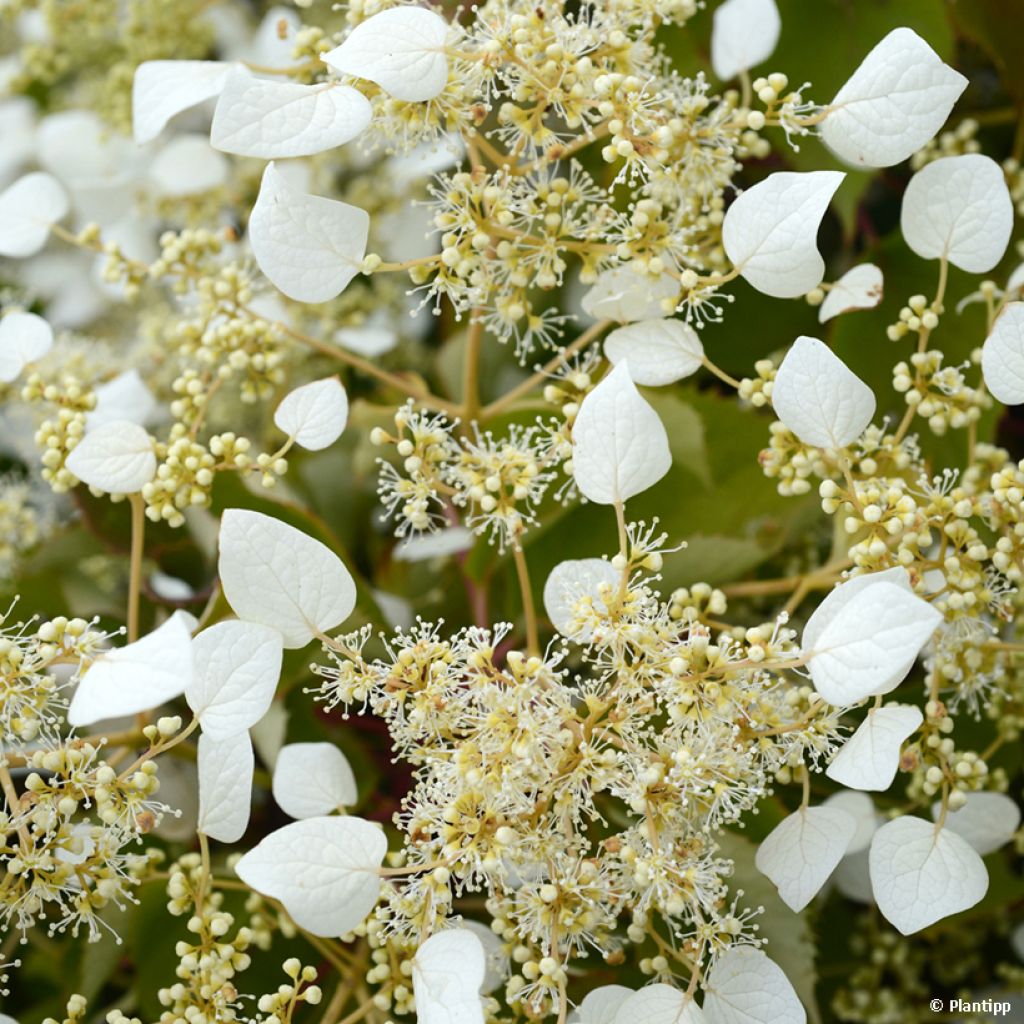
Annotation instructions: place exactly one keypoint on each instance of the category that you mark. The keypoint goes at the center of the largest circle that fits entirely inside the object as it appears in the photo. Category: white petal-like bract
(871, 644)
(571, 581)
(125, 397)
(987, 821)
(281, 577)
(600, 1005)
(819, 398)
(163, 88)
(921, 873)
(770, 233)
(188, 166)
(861, 808)
(859, 288)
(308, 246)
(225, 786)
(312, 779)
(744, 33)
(620, 447)
(659, 1004)
(1002, 356)
(959, 208)
(314, 414)
(745, 987)
(870, 758)
(657, 351)
(893, 104)
(236, 668)
(270, 119)
(447, 974)
(117, 457)
(323, 870)
(24, 338)
(803, 850)
(401, 49)
(28, 209)
(623, 295)
(136, 677)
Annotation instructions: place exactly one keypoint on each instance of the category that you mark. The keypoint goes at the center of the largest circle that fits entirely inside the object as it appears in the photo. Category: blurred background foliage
(715, 498)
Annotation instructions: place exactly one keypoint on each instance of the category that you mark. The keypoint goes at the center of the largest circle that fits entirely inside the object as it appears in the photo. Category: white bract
(620, 447)
(744, 33)
(187, 166)
(870, 758)
(236, 668)
(770, 233)
(601, 1004)
(819, 398)
(624, 295)
(312, 779)
(840, 596)
(803, 850)
(28, 209)
(447, 974)
(324, 871)
(270, 119)
(136, 677)
(987, 821)
(658, 1004)
(117, 457)
(861, 808)
(745, 987)
(657, 351)
(496, 959)
(959, 208)
(571, 581)
(1002, 356)
(281, 577)
(893, 104)
(163, 88)
(401, 49)
(859, 288)
(921, 873)
(126, 397)
(308, 246)
(871, 644)
(24, 338)
(314, 415)
(225, 786)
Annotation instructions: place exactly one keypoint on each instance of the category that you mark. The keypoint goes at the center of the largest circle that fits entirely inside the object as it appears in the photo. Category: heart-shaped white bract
(496, 971)
(871, 644)
(1002, 356)
(281, 577)
(959, 208)
(921, 873)
(987, 821)
(447, 974)
(312, 779)
(620, 447)
(870, 758)
(314, 415)
(309, 247)
(623, 295)
(163, 88)
(658, 1004)
(188, 166)
(861, 808)
(225, 786)
(571, 581)
(819, 398)
(745, 987)
(803, 850)
(657, 351)
(840, 596)
(28, 209)
(893, 104)
(600, 1005)
(770, 233)
(323, 870)
(24, 338)
(126, 397)
(401, 49)
(236, 669)
(270, 119)
(138, 676)
(859, 288)
(117, 457)
(744, 33)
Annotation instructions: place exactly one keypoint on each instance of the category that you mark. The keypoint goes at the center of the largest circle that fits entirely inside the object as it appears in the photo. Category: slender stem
(720, 373)
(471, 373)
(135, 579)
(523, 573)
